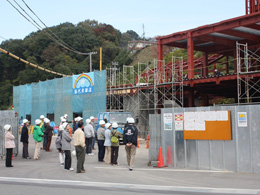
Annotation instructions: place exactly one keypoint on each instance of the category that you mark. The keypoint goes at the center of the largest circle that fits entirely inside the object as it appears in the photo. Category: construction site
(232, 44)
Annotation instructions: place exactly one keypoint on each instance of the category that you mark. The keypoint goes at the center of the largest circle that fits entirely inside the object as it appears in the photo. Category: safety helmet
(42, 117)
(38, 121)
(114, 125)
(127, 119)
(107, 125)
(79, 118)
(131, 120)
(63, 120)
(92, 117)
(25, 121)
(102, 122)
(64, 125)
(7, 127)
(88, 121)
(46, 120)
(65, 116)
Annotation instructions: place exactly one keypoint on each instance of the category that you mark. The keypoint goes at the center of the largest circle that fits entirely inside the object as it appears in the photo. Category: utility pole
(90, 59)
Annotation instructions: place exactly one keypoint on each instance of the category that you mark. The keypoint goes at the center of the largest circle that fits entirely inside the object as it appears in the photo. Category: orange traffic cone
(160, 159)
(169, 156)
(147, 141)
(137, 142)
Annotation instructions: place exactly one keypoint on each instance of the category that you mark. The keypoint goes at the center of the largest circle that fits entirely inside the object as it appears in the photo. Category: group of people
(107, 137)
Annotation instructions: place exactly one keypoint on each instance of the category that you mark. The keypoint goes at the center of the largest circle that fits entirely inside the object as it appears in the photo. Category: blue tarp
(56, 97)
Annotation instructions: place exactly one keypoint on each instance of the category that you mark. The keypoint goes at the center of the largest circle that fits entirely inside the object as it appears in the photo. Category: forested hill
(87, 36)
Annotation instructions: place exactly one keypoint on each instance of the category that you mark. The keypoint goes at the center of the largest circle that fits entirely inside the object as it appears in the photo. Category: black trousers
(80, 153)
(48, 143)
(88, 142)
(8, 159)
(25, 150)
(67, 159)
(114, 154)
(101, 150)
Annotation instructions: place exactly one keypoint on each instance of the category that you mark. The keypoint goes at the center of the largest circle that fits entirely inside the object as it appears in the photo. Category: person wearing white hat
(89, 134)
(77, 121)
(101, 140)
(48, 134)
(58, 142)
(37, 136)
(43, 128)
(66, 146)
(9, 145)
(107, 143)
(115, 135)
(25, 138)
(92, 118)
(79, 143)
(130, 140)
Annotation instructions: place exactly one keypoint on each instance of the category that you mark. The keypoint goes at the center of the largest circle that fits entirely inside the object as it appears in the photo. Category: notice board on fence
(207, 125)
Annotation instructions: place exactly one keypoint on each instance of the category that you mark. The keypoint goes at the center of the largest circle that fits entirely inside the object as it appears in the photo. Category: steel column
(205, 65)
(190, 56)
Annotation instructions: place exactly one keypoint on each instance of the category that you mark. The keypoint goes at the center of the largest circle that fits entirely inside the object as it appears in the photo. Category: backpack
(58, 140)
(114, 139)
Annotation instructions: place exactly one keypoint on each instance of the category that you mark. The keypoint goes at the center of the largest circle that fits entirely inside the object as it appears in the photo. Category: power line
(35, 24)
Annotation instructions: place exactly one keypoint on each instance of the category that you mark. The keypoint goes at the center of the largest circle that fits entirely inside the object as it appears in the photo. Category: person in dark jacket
(48, 134)
(25, 138)
(130, 141)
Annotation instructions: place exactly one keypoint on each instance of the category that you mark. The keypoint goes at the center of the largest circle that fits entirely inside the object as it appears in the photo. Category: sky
(159, 17)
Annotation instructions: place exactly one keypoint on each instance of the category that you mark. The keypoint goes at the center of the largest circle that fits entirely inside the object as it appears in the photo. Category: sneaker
(62, 164)
(71, 169)
(130, 169)
(28, 157)
(91, 154)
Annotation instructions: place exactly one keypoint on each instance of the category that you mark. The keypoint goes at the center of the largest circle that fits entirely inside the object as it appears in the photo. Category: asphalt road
(46, 176)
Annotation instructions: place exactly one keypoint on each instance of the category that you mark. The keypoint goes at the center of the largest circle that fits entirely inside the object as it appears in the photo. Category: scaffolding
(145, 88)
(248, 87)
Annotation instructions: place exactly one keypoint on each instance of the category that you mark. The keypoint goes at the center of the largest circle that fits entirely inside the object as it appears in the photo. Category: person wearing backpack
(115, 144)
(58, 142)
(107, 143)
(130, 141)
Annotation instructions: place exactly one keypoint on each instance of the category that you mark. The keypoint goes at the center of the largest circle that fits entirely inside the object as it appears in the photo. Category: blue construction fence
(55, 97)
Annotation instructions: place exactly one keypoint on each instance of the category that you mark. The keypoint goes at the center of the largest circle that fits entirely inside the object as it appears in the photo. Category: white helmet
(131, 120)
(64, 125)
(114, 125)
(92, 117)
(7, 127)
(46, 120)
(102, 122)
(127, 119)
(63, 120)
(65, 116)
(107, 125)
(79, 118)
(42, 117)
(25, 121)
(88, 121)
(38, 121)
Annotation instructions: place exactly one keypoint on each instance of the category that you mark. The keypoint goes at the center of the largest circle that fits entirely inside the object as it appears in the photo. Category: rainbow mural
(83, 83)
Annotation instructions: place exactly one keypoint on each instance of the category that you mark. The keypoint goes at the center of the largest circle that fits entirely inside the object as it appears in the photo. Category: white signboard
(242, 119)
(167, 118)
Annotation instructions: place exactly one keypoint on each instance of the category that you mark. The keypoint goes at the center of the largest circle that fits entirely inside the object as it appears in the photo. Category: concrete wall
(241, 154)
(8, 117)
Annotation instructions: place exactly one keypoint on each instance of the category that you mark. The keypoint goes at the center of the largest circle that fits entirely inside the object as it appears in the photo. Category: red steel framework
(218, 40)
